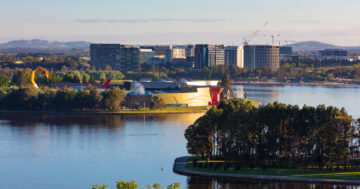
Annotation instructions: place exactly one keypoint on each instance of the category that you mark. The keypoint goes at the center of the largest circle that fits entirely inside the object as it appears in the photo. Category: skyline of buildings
(197, 56)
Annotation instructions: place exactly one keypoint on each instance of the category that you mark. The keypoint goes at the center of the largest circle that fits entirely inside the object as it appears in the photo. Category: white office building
(234, 55)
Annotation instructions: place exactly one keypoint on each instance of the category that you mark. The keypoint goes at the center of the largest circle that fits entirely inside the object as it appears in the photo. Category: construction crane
(247, 38)
(272, 37)
(286, 42)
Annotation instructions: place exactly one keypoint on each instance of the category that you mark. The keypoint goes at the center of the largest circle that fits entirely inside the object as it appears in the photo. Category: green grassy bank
(290, 172)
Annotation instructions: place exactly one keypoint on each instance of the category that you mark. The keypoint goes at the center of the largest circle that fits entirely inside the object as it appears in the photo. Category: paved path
(180, 163)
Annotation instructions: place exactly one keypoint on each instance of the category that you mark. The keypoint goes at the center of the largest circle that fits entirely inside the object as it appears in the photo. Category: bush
(211, 164)
(217, 166)
(238, 166)
(194, 162)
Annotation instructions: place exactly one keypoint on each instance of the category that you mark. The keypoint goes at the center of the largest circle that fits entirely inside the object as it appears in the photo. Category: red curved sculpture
(214, 92)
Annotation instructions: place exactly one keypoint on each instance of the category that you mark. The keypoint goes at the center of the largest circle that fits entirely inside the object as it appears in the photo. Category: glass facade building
(120, 57)
(145, 55)
(209, 55)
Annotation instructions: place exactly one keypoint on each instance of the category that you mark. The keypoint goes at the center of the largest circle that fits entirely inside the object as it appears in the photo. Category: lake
(75, 151)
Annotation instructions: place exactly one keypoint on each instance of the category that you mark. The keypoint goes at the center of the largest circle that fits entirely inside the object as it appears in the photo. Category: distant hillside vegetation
(307, 46)
(38, 44)
(311, 46)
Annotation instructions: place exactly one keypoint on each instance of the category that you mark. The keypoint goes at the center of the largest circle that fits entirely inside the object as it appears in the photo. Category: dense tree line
(287, 71)
(284, 73)
(29, 98)
(276, 135)
(22, 77)
(121, 184)
(316, 62)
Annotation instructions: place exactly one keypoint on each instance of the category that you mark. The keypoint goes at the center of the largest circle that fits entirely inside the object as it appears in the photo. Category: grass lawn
(303, 173)
(166, 110)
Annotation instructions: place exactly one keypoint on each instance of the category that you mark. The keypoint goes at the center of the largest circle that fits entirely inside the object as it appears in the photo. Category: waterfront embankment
(181, 167)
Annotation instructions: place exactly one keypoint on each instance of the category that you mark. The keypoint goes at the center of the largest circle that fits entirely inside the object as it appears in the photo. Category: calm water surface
(76, 151)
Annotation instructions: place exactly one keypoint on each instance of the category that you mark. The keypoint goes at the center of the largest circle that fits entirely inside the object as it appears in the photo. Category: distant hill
(308, 46)
(311, 46)
(43, 45)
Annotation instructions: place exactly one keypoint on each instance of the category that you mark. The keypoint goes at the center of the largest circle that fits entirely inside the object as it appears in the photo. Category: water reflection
(76, 151)
(261, 94)
(346, 97)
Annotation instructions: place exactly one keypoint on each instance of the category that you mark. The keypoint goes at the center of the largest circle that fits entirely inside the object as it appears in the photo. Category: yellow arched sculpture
(33, 75)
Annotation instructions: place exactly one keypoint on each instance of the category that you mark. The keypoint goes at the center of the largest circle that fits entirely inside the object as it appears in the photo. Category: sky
(181, 21)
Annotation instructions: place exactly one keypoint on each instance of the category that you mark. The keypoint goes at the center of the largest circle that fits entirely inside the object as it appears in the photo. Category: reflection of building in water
(258, 93)
(185, 119)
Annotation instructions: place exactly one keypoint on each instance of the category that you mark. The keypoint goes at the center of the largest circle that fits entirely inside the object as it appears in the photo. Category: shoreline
(107, 113)
(181, 162)
(280, 83)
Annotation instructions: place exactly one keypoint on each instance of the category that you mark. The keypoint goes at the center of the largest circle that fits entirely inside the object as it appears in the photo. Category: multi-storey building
(285, 50)
(162, 49)
(209, 55)
(234, 55)
(333, 52)
(260, 56)
(201, 56)
(178, 53)
(216, 55)
(190, 51)
(119, 57)
(145, 55)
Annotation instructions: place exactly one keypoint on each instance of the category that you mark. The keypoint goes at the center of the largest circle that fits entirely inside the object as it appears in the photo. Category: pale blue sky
(180, 21)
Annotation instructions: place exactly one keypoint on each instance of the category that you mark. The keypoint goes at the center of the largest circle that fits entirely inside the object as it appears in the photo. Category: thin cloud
(134, 21)
(306, 21)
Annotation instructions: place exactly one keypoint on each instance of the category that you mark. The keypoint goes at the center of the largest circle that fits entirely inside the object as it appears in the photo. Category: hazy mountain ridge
(44, 44)
(307, 46)
(35, 45)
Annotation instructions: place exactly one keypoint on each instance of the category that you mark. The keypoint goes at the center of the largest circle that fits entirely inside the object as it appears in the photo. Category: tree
(64, 68)
(92, 80)
(113, 99)
(174, 186)
(99, 186)
(226, 84)
(95, 96)
(71, 63)
(64, 99)
(22, 98)
(85, 78)
(108, 68)
(275, 133)
(121, 184)
(21, 78)
(157, 186)
(102, 78)
(157, 103)
(4, 82)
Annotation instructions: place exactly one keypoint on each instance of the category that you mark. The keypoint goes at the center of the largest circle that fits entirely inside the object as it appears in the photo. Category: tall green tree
(113, 99)
(226, 84)
(4, 82)
(21, 78)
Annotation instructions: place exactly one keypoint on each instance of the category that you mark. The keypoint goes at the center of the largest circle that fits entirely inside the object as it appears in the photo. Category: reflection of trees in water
(65, 121)
(88, 122)
(206, 183)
